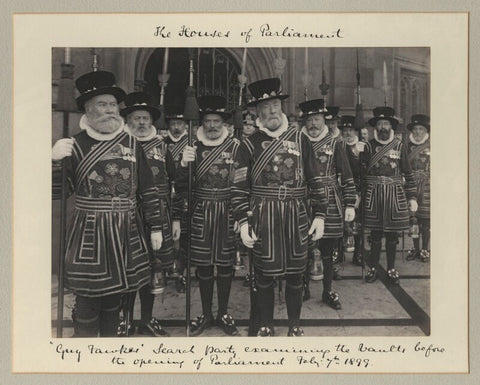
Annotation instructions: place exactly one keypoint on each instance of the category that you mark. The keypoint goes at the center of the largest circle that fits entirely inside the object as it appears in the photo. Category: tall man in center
(275, 172)
(212, 236)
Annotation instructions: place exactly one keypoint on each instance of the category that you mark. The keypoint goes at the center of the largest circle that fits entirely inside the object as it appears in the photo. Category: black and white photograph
(197, 181)
(241, 191)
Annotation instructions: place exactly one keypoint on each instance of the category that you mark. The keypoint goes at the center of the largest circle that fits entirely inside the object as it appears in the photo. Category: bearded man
(106, 251)
(332, 119)
(212, 233)
(140, 115)
(353, 148)
(418, 149)
(176, 140)
(334, 165)
(273, 169)
(384, 164)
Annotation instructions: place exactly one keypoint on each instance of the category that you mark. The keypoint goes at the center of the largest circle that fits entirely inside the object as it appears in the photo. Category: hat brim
(393, 121)
(117, 92)
(155, 112)
(172, 117)
(352, 127)
(255, 102)
(411, 125)
(307, 115)
(336, 117)
(224, 115)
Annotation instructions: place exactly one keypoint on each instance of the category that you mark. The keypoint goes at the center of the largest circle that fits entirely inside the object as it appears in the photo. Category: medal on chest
(127, 153)
(393, 154)
(323, 153)
(227, 157)
(157, 154)
(291, 147)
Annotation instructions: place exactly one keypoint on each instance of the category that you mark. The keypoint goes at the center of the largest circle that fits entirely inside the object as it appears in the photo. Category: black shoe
(198, 325)
(265, 331)
(412, 255)
(152, 328)
(331, 299)
(393, 276)
(425, 256)
(123, 331)
(180, 284)
(227, 324)
(371, 275)
(295, 332)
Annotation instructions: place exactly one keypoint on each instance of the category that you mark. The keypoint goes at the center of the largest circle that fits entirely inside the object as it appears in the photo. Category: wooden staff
(66, 104)
(237, 115)
(359, 124)
(190, 114)
(385, 82)
(252, 322)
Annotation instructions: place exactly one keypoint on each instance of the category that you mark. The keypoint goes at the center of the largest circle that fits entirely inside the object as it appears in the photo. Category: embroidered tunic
(384, 166)
(353, 152)
(163, 169)
(106, 251)
(419, 158)
(353, 155)
(212, 235)
(274, 178)
(334, 166)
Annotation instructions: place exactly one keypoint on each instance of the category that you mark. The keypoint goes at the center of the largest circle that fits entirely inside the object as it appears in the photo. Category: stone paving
(376, 309)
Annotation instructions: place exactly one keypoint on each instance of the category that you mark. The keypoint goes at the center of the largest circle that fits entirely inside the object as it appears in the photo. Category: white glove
(62, 148)
(188, 155)
(349, 214)
(412, 205)
(156, 239)
(317, 229)
(176, 230)
(236, 228)
(247, 240)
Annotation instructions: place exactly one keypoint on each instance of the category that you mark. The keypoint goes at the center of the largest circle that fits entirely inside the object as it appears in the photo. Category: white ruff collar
(279, 131)
(153, 134)
(207, 142)
(322, 135)
(392, 136)
(84, 125)
(351, 141)
(175, 140)
(425, 138)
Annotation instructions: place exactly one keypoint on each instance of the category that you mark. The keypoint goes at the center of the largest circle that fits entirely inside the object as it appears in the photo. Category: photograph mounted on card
(240, 175)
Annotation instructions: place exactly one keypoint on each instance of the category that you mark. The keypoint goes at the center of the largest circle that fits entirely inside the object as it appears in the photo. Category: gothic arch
(259, 62)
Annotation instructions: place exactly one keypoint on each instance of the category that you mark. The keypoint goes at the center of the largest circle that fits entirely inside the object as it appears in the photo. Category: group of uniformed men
(299, 186)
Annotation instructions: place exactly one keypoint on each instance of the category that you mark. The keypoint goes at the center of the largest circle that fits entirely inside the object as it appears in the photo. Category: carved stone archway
(260, 62)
